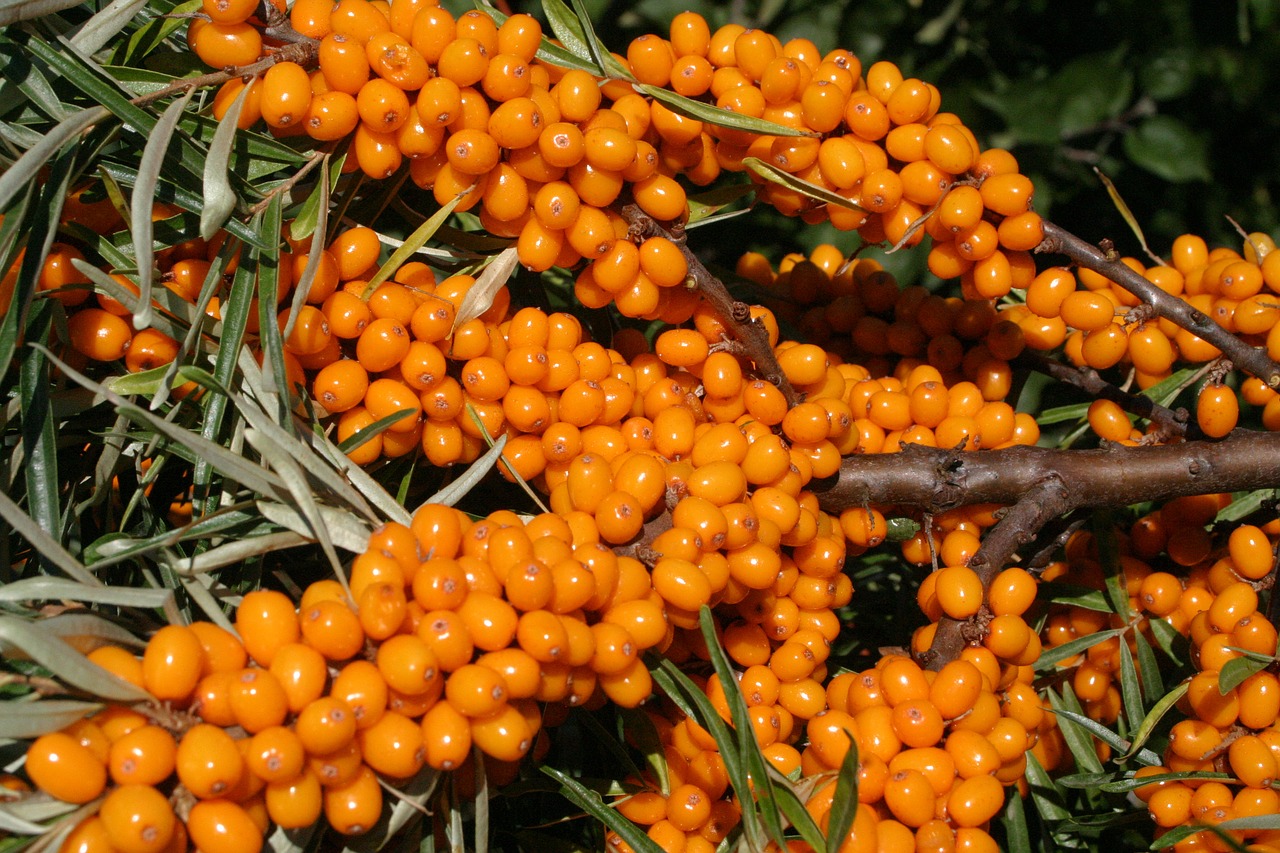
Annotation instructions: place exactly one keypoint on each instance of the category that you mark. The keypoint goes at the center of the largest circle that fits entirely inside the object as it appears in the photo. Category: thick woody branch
(1039, 485)
(1250, 359)
(736, 316)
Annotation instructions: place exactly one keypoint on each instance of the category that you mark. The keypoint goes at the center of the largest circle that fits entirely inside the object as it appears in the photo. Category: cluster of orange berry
(1085, 313)
(467, 648)
(544, 153)
(934, 370)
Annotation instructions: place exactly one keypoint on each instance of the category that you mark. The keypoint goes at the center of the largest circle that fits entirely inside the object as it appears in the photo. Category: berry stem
(734, 314)
(1250, 359)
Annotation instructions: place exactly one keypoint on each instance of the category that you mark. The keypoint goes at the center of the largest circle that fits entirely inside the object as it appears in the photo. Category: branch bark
(1040, 484)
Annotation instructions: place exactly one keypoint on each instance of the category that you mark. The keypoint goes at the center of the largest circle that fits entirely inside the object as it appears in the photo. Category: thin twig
(735, 315)
(1171, 422)
(289, 183)
(1252, 360)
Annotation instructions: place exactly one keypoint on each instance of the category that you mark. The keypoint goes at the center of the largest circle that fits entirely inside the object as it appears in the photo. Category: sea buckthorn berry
(408, 665)
(144, 756)
(975, 801)
(208, 762)
(333, 629)
(99, 335)
(62, 767)
(286, 94)
(1217, 410)
(326, 725)
(276, 754)
(258, 700)
(1251, 552)
(476, 691)
(959, 591)
(223, 45)
(172, 662)
(222, 826)
(138, 819)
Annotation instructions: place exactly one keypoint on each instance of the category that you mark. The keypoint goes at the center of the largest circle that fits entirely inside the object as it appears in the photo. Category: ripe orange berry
(208, 762)
(145, 756)
(172, 663)
(959, 591)
(62, 767)
(266, 621)
(138, 819)
(221, 826)
(1217, 410)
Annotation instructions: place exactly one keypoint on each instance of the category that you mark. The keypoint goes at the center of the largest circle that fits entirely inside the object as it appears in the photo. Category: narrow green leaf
(1051, 657)
(1078, 596)
(315, 208)
(44, 544)
(26, 170)
(215, 455)
(1131, 782)
(844, 806)
(96, 32)
(643, 735)
(484, 431)
(747, 746)
(1148, 667)
(590, 802)
(343, 528)
(85, 630)
(599, 52)
(59, 657)
(1085, 780)
(1125, 212)
(39, 439)
(1014, 820)
(773, 174)
(219, 197)
(1082, 727)
(22, 720)
(1142, 733)
(1076, 729)
(568, 29)
(186, 199)
(475, 472)
(1130, 687)
(145, 383)
(479, 297)
(1048, 801)
(45, 588)
(694, 702)
(295, 481)
(719, 117)
(142, 200)
(419, 238)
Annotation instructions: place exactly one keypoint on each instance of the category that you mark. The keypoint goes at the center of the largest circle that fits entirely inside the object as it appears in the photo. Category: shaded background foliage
(1174, 101)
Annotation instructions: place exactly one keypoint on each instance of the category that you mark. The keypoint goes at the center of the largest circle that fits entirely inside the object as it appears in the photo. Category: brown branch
(735, 315)
(1040, 484)
(1171, 422)
(1250, 359)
